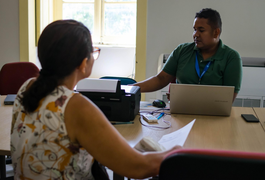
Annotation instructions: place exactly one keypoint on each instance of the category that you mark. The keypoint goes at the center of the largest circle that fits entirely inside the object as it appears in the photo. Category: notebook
(10, 98)
(201, 99)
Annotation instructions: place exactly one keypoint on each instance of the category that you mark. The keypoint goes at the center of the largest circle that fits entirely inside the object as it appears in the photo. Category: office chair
(13, 75)
(212, 164)
(124, 80)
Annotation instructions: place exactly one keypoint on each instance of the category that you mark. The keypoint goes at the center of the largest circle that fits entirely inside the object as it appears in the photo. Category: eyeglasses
(96, 52)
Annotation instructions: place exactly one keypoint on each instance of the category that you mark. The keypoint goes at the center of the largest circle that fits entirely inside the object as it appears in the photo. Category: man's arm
(155, 83)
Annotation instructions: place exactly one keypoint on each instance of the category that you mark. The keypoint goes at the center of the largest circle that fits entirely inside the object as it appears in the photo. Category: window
(110, 21)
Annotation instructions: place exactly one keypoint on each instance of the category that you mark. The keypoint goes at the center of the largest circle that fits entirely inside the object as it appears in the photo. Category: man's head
(207, 28)
(214, 18)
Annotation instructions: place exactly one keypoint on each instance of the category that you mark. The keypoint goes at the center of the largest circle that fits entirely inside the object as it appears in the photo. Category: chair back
(124, 80)
(212, 164)
(13, 75)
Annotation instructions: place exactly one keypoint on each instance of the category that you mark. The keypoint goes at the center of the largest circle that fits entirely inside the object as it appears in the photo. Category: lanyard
(198, 68)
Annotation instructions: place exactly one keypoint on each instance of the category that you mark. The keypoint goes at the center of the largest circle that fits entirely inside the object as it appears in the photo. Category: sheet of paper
(177, 137)
(97, 85)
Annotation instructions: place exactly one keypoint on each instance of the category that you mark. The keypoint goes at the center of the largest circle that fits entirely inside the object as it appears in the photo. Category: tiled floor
(110, 172)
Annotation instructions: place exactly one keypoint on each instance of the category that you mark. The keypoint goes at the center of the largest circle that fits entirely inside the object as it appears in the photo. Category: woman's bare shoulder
(82, 107)
(80, 100)
(82, 116)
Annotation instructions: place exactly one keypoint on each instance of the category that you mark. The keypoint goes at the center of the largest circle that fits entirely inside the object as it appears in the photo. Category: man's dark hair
(214, 18)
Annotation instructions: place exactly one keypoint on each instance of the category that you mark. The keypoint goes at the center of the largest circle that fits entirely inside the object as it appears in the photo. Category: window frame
(98, 32)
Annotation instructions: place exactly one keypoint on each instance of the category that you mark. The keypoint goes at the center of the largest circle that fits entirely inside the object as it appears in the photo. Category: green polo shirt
(225, 68)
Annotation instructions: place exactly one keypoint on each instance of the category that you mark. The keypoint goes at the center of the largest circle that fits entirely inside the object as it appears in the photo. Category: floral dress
(40, 146)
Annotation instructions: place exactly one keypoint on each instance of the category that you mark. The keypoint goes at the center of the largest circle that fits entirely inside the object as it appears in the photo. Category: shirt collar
(219, 52)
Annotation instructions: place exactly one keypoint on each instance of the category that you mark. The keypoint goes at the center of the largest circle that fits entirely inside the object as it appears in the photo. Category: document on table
(176, 138)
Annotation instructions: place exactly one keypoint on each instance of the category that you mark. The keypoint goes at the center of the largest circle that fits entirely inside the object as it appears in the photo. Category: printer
(118, 102)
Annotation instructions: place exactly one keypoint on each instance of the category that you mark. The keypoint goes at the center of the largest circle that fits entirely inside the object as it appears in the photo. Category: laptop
(10, 98)
(201, 99)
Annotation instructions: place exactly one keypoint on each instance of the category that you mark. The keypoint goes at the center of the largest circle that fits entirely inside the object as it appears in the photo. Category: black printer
(121, 103)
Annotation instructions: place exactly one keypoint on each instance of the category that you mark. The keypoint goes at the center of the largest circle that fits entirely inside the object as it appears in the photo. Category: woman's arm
(87, 125)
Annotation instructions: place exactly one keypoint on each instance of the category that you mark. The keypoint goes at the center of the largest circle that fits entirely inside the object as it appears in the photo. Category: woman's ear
(83, 65)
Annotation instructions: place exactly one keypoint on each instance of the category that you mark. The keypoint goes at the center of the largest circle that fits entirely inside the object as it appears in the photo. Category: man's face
(203, 34)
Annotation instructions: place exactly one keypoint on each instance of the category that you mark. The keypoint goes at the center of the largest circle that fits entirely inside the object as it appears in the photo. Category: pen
(160, 115)
(116, 123)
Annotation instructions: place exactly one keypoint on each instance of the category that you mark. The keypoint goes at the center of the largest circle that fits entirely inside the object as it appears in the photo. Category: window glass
(78, 0)
(120, 19)
(80, 12)
(120, 1)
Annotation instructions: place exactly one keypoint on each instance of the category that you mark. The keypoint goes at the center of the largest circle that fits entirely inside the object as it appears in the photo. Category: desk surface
(208, 132)
(5, 127)
(260, 112)
(213, 132)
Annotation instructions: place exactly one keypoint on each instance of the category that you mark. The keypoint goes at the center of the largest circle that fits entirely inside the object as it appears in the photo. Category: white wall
(169, 23)
(115, 61)
(9, 31)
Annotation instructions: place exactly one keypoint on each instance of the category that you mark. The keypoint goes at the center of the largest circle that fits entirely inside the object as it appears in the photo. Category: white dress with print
(40, 146)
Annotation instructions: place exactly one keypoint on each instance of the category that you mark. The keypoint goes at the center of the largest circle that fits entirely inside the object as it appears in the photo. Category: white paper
(97, 85)
(126, 88)
(177, 137)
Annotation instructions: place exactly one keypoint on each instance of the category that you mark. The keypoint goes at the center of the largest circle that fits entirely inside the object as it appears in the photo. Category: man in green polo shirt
(206, 61)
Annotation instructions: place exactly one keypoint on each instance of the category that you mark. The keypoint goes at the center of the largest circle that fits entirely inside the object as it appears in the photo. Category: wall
(114, 61)
(169, 23)
(9, 31)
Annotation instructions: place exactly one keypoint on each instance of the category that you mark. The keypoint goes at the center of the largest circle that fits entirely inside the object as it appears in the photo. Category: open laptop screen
(201, 99)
